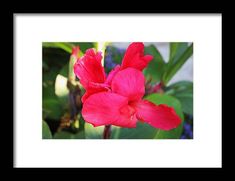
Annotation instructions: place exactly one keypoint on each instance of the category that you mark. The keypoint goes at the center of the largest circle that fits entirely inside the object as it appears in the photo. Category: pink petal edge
(158, 116)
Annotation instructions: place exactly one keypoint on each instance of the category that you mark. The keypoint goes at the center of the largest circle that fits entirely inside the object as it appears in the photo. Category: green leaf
(48, 90)
(68, 135)
(187, 103)
(172, 102)
(50, 75)
(92, 132)
(172, 68)
(45, 66)
(156, 67)
(79, 135)
(46, 133)
(55, 59)
(64, 70)
(63, 135)
(172, 134)
(176, 50)
(181, 86)
(55, 94)
(183, 91)
(84, 45)
(63, 45)
(142, 131)
(52, 109)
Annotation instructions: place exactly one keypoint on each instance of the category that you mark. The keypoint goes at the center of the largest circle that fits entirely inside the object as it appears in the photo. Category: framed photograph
(113, 90)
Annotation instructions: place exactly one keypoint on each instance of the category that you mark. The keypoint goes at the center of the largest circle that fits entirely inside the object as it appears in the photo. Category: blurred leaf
(142, 131)
(64, 70)
(48, 91)
(81, 122)
(181, 86)
(55, 62)
(187, 103)
(63, 135)
(157, 66)
(48, 96)
(84, 45)
(183, 91)
(48, 84)
(50, 75)
(45, 66)
(63, 45)
(46, 133)
(172, 68)
(92, 132)
(52, 109)
(68, 135)
(176, 50)
(172, 102)
(80, 135)
(55, 59)
(172, 134)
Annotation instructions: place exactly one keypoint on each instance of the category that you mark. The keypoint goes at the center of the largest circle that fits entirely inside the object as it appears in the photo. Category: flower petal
(90, 52)
(93, 88)
(111, 75)
(135, 58)
(129, 83)
(103, 108)
(127, 118)
(89, 69)
(158, 116)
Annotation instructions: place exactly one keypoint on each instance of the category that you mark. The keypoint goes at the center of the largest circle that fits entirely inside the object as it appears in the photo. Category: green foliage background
(61, 117)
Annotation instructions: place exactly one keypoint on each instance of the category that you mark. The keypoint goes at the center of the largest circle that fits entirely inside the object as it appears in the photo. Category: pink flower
(135, 58)
(89, 69)
(123, 106)
(91, 73)
(117, 99)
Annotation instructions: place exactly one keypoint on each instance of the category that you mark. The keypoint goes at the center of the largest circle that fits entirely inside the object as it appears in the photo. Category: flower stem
(107, 132)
